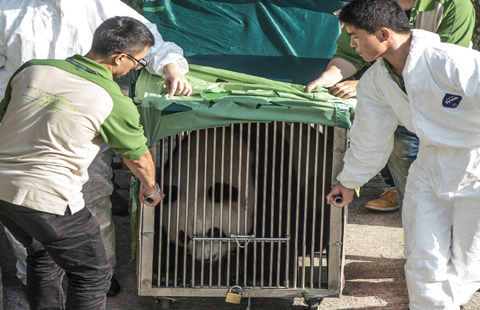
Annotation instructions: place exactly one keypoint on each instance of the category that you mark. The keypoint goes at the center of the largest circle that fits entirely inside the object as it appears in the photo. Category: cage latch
(242, 238)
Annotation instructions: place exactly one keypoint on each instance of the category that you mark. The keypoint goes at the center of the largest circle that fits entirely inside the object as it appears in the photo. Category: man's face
(367, 45)
(129, 62)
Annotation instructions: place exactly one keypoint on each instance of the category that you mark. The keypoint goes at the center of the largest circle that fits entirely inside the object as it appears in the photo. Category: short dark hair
(121, 33)
(371, 15)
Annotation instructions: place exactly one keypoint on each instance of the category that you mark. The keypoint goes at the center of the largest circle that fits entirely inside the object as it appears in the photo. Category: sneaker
(388, 201)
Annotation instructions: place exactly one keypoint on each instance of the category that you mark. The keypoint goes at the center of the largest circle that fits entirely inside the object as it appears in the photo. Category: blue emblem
(451, 101)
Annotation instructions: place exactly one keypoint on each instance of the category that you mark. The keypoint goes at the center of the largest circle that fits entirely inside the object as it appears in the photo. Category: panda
(206, 196)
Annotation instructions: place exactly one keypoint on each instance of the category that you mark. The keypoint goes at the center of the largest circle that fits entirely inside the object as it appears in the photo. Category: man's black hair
(371, 15)
(121, 34)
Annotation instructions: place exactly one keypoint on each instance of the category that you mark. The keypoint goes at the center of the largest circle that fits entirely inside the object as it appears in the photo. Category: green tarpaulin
(222, 97)
(287, 40)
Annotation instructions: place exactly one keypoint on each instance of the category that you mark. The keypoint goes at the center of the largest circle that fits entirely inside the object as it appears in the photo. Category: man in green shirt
(453, 21)
(54, 117)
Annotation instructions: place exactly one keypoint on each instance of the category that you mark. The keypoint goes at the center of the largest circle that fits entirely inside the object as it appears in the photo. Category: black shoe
(119, 204)
(114, 288)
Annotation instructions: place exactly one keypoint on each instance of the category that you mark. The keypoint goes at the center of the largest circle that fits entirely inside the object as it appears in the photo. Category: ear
(117, 58)
(383, 34)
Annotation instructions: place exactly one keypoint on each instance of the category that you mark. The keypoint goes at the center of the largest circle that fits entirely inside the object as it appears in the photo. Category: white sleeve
(162, 53)
(371, 136)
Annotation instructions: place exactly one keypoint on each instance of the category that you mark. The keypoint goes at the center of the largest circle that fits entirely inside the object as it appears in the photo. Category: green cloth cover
(221, 97)
(287, 40)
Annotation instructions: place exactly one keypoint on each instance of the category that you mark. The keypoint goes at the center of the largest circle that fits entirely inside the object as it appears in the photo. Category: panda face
(208, 196)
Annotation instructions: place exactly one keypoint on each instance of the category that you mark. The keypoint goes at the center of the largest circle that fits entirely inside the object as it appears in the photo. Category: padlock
(234, 295)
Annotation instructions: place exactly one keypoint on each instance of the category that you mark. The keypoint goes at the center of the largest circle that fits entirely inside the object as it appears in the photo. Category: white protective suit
(56, 29)
(441, 212)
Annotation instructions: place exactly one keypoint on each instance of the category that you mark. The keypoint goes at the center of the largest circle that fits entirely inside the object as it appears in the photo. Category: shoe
(114, 288)
(119, 204)
(388, 201)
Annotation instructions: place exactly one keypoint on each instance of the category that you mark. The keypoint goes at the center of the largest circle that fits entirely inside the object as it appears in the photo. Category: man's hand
(346, 89)
(337, 70)
(155, 193)
(144, 169)
(318, 82)
(175, 81)
(340, 190)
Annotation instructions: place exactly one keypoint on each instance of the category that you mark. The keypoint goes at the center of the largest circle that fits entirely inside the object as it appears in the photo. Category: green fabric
(221, 97)
(458, 21)
(285, 40)
(133, 206)
(135, 4)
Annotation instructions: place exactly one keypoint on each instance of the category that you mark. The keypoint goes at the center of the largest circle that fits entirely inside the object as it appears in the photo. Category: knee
(427, 266)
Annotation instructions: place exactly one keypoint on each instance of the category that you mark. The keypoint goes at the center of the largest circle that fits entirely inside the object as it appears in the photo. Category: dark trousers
(54, 243)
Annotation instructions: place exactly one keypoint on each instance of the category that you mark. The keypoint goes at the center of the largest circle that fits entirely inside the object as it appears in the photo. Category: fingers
(339, 191)
(311, 86)
(319, 82)
(178, 86)
(345, 89)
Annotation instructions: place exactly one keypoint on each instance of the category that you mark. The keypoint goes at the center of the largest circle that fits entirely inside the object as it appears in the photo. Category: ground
(374, 276)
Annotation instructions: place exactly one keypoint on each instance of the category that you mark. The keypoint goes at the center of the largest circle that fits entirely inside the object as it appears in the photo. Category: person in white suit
(433, 89)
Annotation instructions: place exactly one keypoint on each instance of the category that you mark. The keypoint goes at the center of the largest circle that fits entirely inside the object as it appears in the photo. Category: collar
(395, 76)
(90, 66)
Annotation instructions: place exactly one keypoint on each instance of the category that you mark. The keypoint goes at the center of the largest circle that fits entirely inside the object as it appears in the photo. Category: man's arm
(144, 169)
(345, 63)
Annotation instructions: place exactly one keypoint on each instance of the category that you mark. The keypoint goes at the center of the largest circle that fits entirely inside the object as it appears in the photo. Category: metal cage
(245, 206)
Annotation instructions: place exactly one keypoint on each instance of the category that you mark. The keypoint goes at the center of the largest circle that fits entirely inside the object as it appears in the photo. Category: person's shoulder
(369, 80)
(375, 69)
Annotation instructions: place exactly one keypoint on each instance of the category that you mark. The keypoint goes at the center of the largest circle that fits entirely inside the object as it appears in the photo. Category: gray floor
(373, 270)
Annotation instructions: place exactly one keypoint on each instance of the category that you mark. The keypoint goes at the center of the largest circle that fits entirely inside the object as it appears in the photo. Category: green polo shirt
(55, 116)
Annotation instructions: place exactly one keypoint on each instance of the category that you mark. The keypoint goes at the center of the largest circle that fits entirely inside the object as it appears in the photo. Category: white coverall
(56, 29)
(441, 213)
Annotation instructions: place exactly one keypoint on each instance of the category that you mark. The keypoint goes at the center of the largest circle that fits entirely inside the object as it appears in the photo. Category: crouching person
(433, 89)
(55, 116)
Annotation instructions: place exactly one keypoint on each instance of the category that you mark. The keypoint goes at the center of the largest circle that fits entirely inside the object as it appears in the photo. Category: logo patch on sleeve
(451, 101)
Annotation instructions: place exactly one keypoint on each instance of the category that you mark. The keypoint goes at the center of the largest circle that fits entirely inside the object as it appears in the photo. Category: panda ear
(227, 195)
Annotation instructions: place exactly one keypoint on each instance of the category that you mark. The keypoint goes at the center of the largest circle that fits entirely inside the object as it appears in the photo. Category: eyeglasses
(139, 64)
